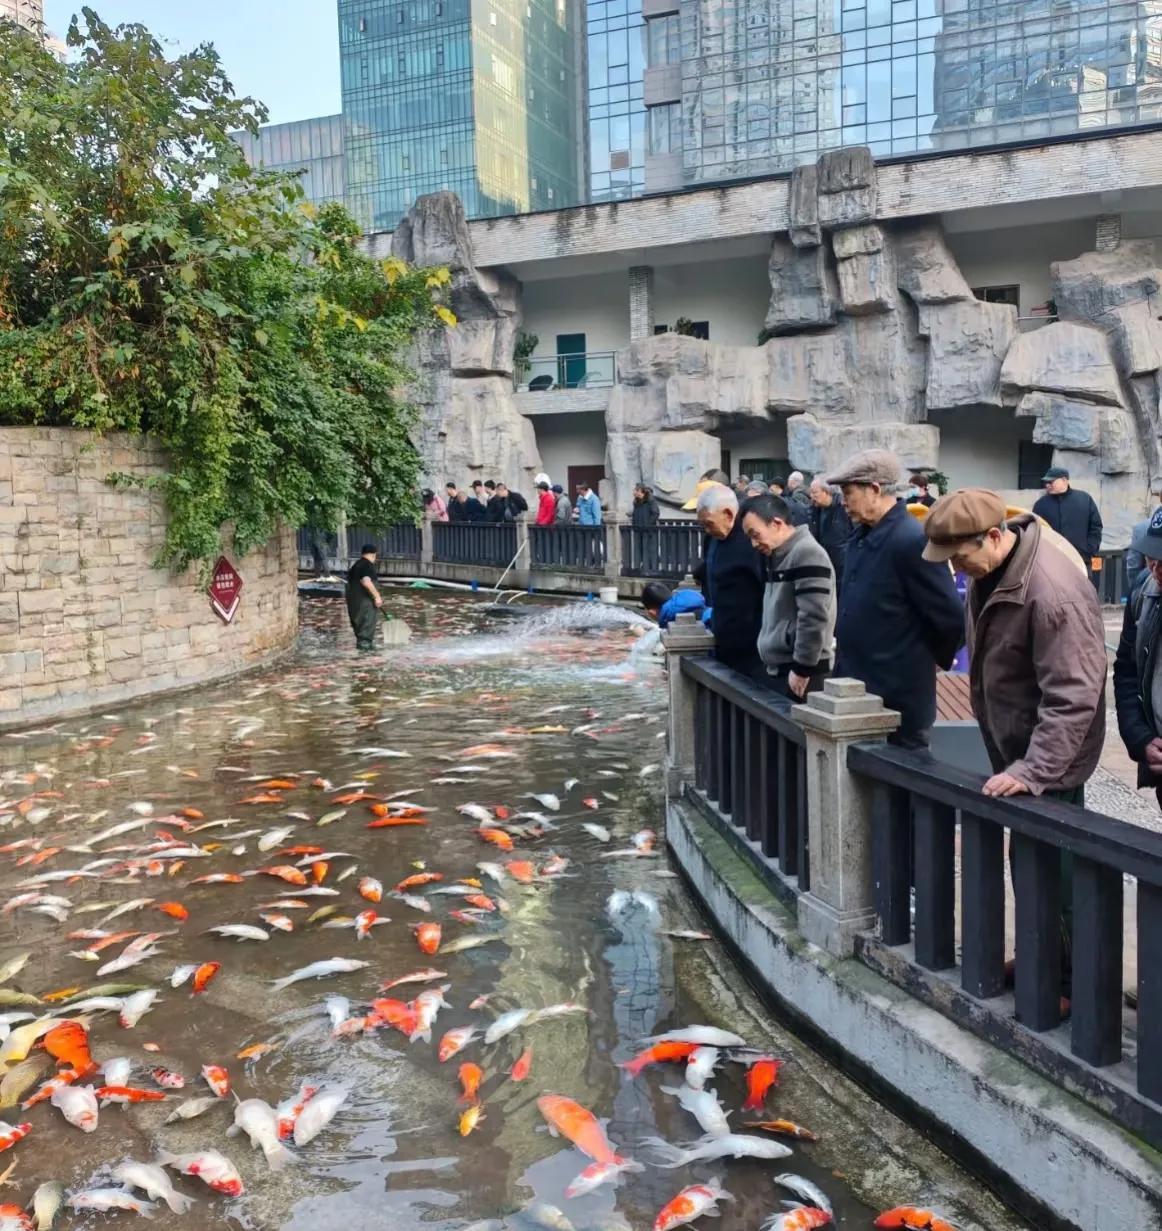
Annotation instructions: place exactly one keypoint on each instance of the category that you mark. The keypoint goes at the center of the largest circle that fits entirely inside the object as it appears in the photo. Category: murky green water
(393, 1156)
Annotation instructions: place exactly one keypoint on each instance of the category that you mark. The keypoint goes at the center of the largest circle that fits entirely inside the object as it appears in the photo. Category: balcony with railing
(566, 383)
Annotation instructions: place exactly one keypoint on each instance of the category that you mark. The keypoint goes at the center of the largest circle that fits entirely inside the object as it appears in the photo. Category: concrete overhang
(971, 189)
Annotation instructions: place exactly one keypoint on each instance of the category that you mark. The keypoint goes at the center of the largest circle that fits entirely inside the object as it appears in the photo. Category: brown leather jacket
(1038, 667)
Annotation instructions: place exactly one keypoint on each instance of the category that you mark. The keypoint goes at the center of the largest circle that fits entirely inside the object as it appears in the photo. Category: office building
(25, 12)
(757, 87)
(475, 96)
(312, 148)
(616, 116)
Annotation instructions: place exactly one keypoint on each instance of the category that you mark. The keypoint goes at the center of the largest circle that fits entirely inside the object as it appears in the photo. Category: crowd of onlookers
(491, 502)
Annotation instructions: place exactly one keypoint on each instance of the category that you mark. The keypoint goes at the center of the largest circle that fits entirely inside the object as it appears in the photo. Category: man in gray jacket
(798, 601)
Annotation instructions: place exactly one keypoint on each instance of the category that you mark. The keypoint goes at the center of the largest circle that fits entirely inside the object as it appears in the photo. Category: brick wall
(85, 618)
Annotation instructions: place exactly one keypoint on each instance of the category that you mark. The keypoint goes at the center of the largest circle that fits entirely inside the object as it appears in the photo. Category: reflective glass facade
(475, 96)
(616, 116)
(768, 84)
(314, 147)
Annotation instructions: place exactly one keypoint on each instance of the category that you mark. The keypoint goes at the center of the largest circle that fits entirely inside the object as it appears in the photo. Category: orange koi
(521, 870)
(521, 1069)
(63, 993)
(666, 1052)
(481, 901)
(175, 910)
(418, 878)
(65, 1077)
(470, 1078)
(578, 1125)
(222, 878)
(370, 890)
(760, 1077)
(202, 976)
(35, 860)
(428, 937)
(263, 797)
(102, 942)
(689, 1204)
(392, 822)
(68, 1044)
(255, 1051)
(497, 837)
(396, 1013)
(364, 922)
(805, 1218)
(284, 872)
(470, 1119)
(192, 814)
(319, 871)
(910, 1216)
(786, 1128)
(416, 976)
(127, 1094)
(217, 1079)
(354, 797)
(301, 850)
(277, 784)
(279, 922)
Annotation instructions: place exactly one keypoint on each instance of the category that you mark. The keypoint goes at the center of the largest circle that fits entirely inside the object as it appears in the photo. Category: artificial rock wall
(470, 427)
(85, 618)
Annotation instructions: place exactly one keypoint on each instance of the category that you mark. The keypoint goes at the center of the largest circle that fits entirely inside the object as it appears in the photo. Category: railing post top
(846, 710)
(687, 583)
(687, 635)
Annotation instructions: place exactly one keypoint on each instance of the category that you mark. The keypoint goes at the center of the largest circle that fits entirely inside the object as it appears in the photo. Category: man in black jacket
(1071, 512)
(734, 583)
(899, 616)
(506, 505)
(1137, 675)
(830, 524)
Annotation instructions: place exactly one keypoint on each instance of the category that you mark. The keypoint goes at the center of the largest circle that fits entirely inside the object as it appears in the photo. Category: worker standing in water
(363, 598)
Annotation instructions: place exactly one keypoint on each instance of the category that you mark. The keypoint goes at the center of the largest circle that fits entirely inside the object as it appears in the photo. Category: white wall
(978, 448)
(754, 443)
(733, 295)
(1021, 255)
(570, 440)
(596, 305)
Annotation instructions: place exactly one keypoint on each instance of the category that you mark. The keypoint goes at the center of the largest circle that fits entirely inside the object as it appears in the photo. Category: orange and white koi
(217, 1079)
(279, 922)
(370, 889)
(289, 1110)
(666, 1052)
(787, 1128)
(455, 1041)
(416, 976)
(209, 1166)
(428, 936)
(168, 1079)
(127, 1094)
(78, 1105)
(910, 1216)
(10, 1134)
(691, 1203)
(578, 1125)
(805, 1218)
(425, 1006)
(365, 921)
(284, 872)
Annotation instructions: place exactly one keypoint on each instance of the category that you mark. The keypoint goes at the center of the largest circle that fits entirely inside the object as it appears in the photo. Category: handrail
(1128, 848)
(768, 707)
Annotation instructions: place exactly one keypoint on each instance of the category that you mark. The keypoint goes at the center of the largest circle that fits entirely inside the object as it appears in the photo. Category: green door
(570, 359)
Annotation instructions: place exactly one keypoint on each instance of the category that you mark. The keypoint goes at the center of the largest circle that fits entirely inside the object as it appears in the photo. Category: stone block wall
(85, 618)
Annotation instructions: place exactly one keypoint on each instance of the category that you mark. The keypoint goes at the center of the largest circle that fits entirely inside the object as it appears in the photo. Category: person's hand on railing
(1003, 784)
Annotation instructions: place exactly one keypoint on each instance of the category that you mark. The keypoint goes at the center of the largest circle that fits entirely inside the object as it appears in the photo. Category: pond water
(472, 711)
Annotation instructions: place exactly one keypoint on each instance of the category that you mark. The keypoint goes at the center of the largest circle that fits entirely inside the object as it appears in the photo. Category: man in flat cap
(899, 616)
(1036, 644)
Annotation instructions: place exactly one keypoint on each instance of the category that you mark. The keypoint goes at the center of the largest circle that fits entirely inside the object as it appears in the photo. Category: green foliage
(151, 281)
(523, 350)
(684, 326)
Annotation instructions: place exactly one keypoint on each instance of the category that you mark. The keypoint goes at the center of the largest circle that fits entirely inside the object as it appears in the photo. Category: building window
(765, 468)
(999, 294)
(664, 41)
(665, 129)
(1032, 462)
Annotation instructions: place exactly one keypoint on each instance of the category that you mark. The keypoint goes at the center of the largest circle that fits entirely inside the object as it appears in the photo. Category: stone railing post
(839, 903)
(686, 635)
(427, 546)
(612, 547)
(524, 557)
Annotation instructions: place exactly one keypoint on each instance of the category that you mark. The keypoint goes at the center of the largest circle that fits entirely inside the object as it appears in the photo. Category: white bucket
(608, 594)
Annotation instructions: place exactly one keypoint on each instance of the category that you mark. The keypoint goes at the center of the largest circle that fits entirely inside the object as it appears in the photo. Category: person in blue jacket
(663, 605)
(588, 506)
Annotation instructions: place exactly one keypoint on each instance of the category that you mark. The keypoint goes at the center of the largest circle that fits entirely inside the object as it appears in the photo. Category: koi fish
(393, 822)
(700, 1066)
(217, 1079)
(667, 1052)
(910, 1216)
(578, 1125)
(222, 878)
(691, 1203)
(78, 1105)
(175, 910)
(497, 837)
(428, 937)
(68, 1044)
(153, 1181)
(597, 1174)
(455, 1041)
(204, 973)
(135, 1007)
(109, 1199)
(365, 921)
(279, 922)
(10, 1134)
(417, 879)
(320, 970)
(760, 1077)
(168, 1080)
(209, 1166)
(284, 872)
(702, 1036)
(809, 1194)
(416, 976)
(258, 1120)
(289, 1110)
(127, 1094)
(785, 1127)
(734, 1145)
(521, 870)
(370, 889)
(704, 1106)
(802, 1219)
(239, 931)
(520, 1070)
(471, 1118)
(318, 1113)
(470, 1078)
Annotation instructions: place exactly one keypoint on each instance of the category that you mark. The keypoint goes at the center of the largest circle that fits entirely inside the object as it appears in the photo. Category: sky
(283, 52)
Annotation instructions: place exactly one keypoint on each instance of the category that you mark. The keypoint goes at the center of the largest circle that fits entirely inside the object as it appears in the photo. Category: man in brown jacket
(1036, 641)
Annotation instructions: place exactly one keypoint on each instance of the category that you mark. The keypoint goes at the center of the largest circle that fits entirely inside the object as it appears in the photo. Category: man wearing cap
(733, 583)
(1137, 674)
(1071, 512)
(899, 616)
(1036, 644)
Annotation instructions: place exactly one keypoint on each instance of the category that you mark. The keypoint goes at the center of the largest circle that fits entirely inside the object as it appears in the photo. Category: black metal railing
(400, 542)
(750, 763)
(578, 548)
(1113, 585)
(669, 549)
(492, 544)
(919, 805)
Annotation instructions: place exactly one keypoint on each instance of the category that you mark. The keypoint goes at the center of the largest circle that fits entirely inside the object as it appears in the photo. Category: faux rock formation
(803, 207)
(967, 345)
(803, 289)
(847, 188)
(818, 447)
(469, 424)
(1062, 421)
(670, 462)
(1066, 358)
(926, 271)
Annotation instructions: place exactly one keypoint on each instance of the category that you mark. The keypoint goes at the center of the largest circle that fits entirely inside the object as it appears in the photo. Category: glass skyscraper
(314, 147)
(616, 114)
(476, 96)
(769, 84)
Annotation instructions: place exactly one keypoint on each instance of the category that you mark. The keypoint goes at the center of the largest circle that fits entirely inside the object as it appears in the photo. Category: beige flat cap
(871, 466)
